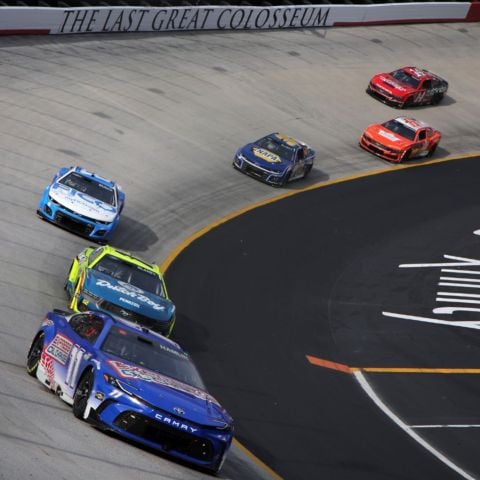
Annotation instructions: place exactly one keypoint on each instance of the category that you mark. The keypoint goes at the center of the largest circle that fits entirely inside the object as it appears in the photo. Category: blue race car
(275, 159)
(117, 283)
(123, 378)
(82, 202)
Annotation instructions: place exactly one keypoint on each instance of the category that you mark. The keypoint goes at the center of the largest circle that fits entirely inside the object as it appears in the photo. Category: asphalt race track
(311, 275)
(163, 115)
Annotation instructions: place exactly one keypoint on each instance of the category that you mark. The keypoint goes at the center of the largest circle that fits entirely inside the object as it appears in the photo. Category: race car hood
(82, 204)
(172, 397)
(264, 158)
(392, 86)
(387, 137)
(127, 296)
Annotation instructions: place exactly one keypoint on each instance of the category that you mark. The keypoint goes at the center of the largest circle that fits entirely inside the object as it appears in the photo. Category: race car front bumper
(385, 97)
(130, 417)
(272, 178)
(380, 150)
(55, 213)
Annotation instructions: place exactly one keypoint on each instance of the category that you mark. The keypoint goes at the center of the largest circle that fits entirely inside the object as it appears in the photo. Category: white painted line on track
(457, 294)
(467, 324)
(407, 429)
(456, 300)
(446, 426)
(465, 285)
(459, 279)
(454, 270)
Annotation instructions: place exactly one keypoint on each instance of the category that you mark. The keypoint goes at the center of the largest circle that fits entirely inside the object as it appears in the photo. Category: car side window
(422, 135)
(87, 326)
(427, 84)
(95, 254)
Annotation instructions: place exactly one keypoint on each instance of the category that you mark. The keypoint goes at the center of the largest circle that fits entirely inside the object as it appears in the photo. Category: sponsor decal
(87, 20)
(130, 302)
(132, 292)
(49, 368)
(393, 83)
(175, 423)
(388, 135)
(266, 155)
(62, 193)
(60, 349)
(132, 372)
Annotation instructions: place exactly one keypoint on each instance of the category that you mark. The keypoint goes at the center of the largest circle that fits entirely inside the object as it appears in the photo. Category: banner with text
(143, 19)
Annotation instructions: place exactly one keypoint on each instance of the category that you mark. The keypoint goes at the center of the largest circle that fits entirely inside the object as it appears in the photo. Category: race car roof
(87, 173)
(419, 73)
(412, 123)
(291, 142)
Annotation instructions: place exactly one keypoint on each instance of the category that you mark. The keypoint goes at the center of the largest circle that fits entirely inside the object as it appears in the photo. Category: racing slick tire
(82, 394)
(432, 150)
(285, 179)
(35, 354)
(307, 171)
(437, 98)
(406, 155)
(407, 103)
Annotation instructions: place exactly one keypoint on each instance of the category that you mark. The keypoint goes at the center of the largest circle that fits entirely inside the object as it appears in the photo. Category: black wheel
(285, 179)
(437, 98)
(406, 155)
(34, 355)
(82, 394)
(408, 102)
(432, 150)
(307, 171)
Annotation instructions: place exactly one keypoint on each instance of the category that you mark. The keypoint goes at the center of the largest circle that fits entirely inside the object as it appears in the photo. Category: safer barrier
(38, 20)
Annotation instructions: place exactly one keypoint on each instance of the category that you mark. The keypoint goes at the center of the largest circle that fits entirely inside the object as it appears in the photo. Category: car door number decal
(75, 360)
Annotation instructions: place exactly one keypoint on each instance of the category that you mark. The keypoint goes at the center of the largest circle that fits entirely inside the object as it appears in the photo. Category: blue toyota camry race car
(275, 159)
(123, 378)
(82, 202)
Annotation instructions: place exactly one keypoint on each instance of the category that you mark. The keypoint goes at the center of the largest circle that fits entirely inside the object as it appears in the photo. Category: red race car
(400, 139)
(407, 87)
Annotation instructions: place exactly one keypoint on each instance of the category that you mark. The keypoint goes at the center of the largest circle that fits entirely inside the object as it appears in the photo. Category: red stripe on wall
(473, 14)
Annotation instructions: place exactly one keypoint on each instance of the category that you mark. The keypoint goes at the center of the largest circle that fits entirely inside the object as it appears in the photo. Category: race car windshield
(130, 273)
(89, 187)
(404, 77)
(151, 355)
(274, 146)
(399, 129)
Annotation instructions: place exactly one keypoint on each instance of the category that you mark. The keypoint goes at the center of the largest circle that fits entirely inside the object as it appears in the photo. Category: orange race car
(400, 139)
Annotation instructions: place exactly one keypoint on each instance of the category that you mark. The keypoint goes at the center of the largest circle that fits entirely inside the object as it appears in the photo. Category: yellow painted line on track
(341, 367)
(185, 243)
(256, 460)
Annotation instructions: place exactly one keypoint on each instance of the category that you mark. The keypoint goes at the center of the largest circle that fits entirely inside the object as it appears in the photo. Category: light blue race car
(82, 202)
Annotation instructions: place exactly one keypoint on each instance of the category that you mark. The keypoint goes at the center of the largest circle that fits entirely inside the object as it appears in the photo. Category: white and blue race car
(82, 202)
